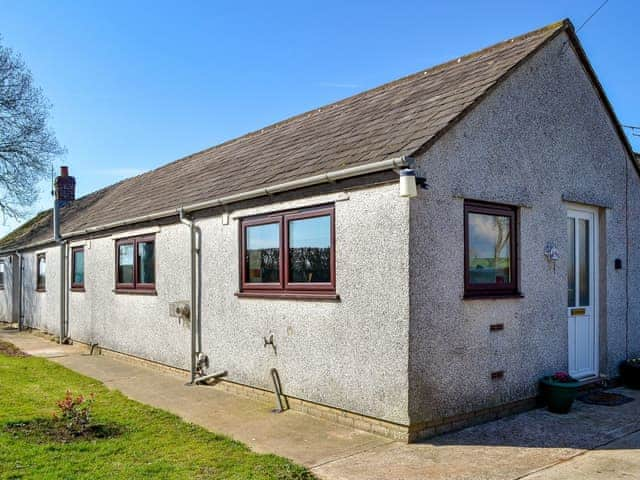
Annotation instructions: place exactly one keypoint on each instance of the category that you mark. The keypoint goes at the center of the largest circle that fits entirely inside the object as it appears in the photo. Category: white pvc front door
(582, 255)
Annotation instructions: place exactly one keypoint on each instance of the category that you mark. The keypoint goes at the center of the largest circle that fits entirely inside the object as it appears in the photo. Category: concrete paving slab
(592, 442)
(619, 459)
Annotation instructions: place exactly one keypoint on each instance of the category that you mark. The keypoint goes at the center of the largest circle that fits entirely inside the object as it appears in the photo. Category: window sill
(77, 289)
(492, 296)
(290, 295)
(131, 291)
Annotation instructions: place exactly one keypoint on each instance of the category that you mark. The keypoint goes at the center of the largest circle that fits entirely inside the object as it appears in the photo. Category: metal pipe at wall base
(277, 390)
(206, 378)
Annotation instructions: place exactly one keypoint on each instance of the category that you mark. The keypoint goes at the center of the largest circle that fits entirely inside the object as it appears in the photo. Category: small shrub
(75, 413)
(563, 377)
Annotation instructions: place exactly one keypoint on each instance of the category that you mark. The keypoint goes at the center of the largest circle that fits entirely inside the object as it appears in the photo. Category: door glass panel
(583, 261)
(571, 262)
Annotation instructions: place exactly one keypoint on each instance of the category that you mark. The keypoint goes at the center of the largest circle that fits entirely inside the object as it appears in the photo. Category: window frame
(286, 288)
(3, 271)
(39, 287)
(135, 286)
(77, 287)
(492, 290)
(253, 222)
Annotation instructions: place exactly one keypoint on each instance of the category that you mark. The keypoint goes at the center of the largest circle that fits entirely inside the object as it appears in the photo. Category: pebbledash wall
(350, 354)
(41, 310)
(541, 139)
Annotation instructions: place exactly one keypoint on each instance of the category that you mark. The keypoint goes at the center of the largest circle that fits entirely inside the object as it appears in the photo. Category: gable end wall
(542, 137)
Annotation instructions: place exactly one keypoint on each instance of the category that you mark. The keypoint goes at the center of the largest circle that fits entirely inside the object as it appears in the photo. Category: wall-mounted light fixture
(409, 181)
(552, 253)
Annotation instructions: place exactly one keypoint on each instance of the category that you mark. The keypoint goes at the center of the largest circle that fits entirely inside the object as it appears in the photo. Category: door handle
(578, 311)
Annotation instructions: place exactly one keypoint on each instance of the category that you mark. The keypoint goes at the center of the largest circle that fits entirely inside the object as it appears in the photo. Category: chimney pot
(65, 187)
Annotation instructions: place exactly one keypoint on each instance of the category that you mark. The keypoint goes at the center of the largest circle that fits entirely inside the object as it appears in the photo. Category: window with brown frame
(77, 269)
(490, 250)
(135, 264)
(41, 272)
(289, 254)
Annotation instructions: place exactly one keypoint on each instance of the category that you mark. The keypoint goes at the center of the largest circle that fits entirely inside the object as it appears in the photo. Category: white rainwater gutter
(330, 177)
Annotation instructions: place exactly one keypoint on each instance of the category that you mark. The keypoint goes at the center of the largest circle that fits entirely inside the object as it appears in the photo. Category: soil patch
(43, 430)
(11, 350)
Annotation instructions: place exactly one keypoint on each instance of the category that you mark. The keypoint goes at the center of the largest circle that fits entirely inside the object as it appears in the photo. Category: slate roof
(395, 119)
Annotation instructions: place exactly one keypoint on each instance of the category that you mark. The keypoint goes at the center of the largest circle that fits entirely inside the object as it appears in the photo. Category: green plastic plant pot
(559, 396)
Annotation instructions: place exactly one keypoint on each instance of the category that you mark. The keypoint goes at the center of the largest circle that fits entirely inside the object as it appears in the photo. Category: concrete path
(592, 442)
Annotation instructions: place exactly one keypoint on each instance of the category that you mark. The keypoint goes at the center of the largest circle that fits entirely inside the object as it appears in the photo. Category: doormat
(608, 399)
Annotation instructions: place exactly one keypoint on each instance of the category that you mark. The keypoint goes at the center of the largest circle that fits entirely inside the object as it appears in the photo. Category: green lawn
(152, 443)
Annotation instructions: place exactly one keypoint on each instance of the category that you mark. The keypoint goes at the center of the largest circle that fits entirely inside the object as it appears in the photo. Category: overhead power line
(595, 12)
(635, 131)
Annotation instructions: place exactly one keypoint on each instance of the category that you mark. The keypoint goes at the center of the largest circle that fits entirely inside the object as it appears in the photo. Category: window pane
(583, 240)
(125, 263)
(571, 266)
(78, 267)
(145, 262)
(310, 250)
(42, 270)
(489, 249)
(262, 253)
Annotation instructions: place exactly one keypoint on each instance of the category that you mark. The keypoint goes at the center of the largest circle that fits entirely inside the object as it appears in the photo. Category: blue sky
(135, 85)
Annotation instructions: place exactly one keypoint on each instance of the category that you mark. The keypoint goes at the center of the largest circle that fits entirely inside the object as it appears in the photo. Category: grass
(150, 443)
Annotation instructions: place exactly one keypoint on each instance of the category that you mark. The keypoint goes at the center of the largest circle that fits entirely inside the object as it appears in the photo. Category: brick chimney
(65, 187)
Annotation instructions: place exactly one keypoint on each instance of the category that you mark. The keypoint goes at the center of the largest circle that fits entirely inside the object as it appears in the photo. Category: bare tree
(27, 144)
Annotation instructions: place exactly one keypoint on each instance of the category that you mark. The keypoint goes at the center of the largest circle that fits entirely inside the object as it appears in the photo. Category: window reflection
(145, 262)
(125, 263)
(489, 249)
(262, 254)
(78, 267)
(310, 250)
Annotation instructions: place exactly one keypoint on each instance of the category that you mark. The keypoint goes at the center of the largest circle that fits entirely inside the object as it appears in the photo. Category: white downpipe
(193, 253)
(20, 291)
(63, 290)
(57, 238)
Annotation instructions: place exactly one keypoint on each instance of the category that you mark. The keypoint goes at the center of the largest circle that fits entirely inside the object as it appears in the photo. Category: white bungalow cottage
(291, 248)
